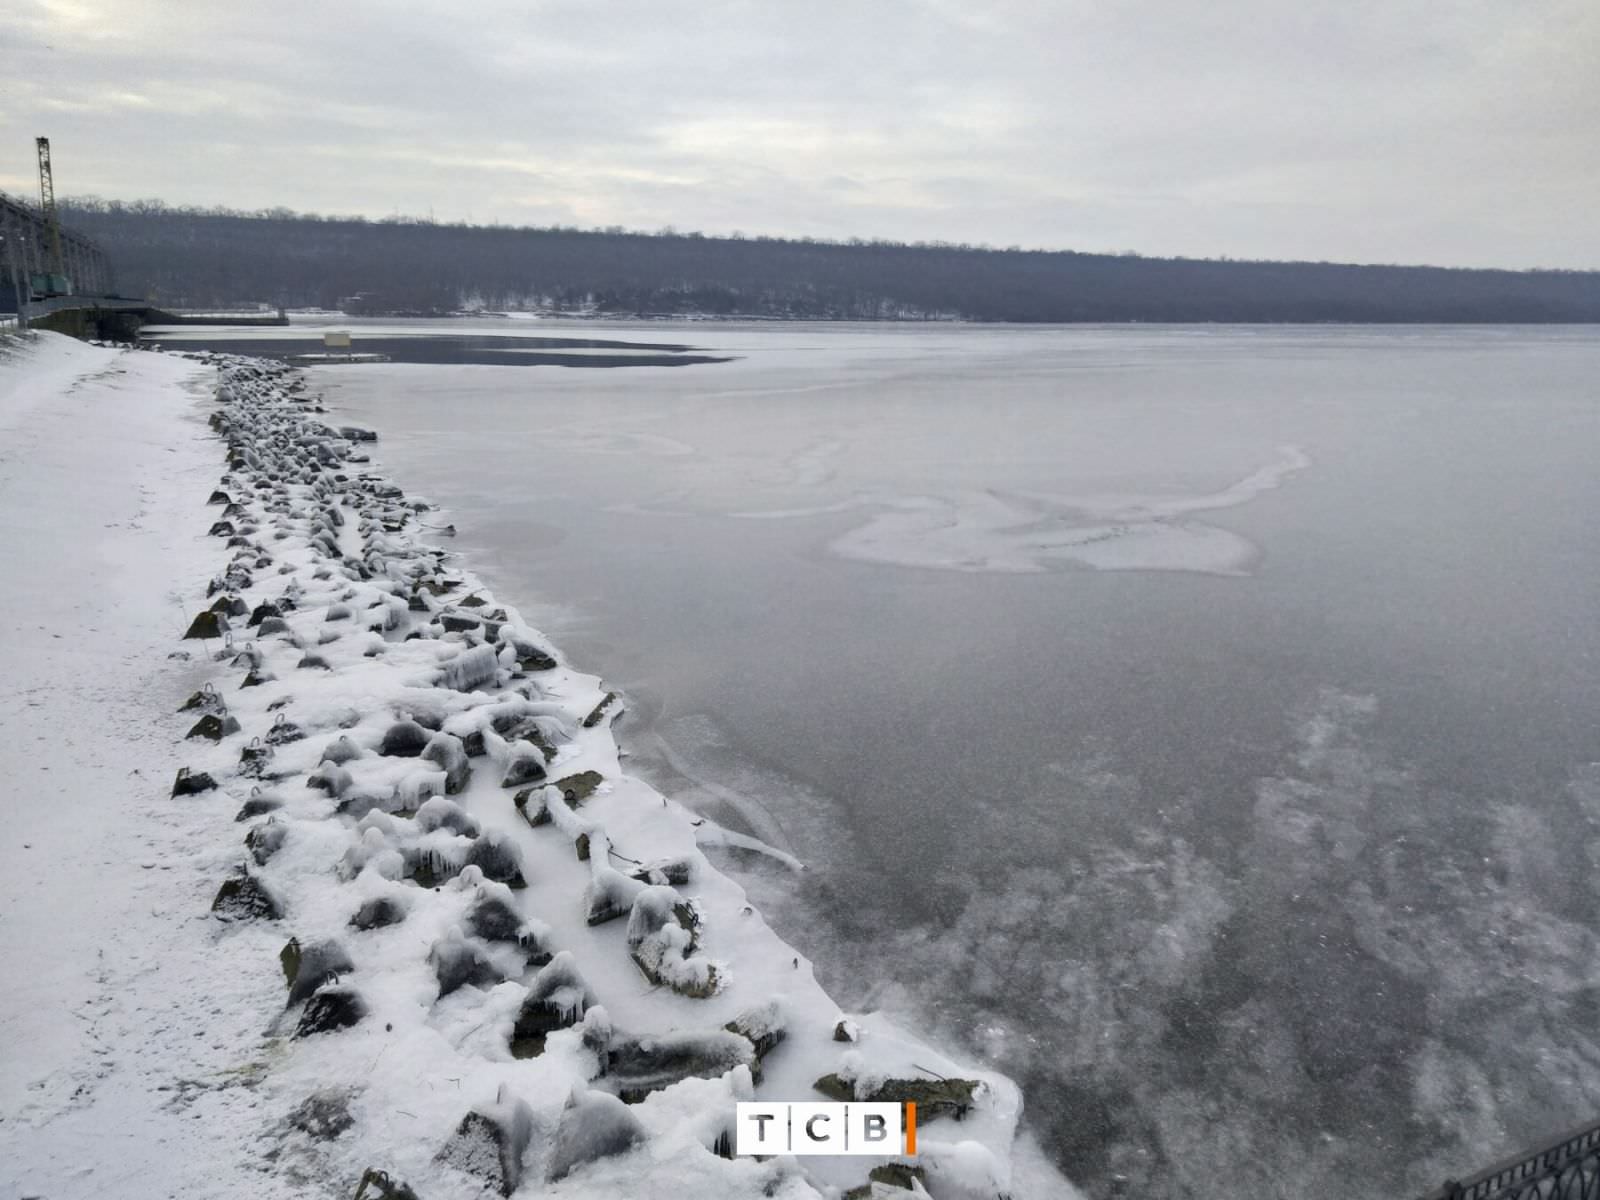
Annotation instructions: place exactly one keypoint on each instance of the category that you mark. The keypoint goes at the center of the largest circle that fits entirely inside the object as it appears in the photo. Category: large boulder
(593, 1126)
(283, 732)
(889, 1180)
(255, 759)
(445, 751)
(468, 670)
(573, 789)
(206, 700)
(378, 913)
(324, 1114)
(530, 656)
(638, 1066)
(492, 1142)
(340, 751)
(258, 805)
(459, 961)
(763, 1027)
(331, 778)
(214, 726)
(499, 858)
(439, 813)
(207, 625)
(602, 711)
(308, 967)
(261, 612)
(557, 998)
(525, 765)
(494, 918)
(266, 839)
(933, 1097)
(404, 739)
(535, 731)
(380, 1185)
(245, 897)
(610, 893)
(335, 1007)
(663, 933)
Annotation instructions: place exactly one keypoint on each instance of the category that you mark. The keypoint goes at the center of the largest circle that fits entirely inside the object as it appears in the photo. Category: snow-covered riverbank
(468, 938)
(128, 1024)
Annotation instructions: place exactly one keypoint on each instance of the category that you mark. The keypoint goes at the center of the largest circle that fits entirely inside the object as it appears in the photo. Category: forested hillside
(203, 258)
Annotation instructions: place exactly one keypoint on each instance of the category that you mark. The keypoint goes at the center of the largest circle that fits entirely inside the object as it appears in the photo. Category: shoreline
(462, 1036)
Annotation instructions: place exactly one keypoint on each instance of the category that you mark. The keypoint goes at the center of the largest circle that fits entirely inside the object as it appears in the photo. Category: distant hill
(206, 258)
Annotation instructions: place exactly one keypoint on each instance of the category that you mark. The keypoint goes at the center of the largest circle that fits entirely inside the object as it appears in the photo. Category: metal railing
(1566, 1169)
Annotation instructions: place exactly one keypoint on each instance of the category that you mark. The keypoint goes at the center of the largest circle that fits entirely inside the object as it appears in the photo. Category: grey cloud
(1411, 130)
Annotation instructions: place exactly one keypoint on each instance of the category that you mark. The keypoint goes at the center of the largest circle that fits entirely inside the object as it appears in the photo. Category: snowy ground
(149, 1048)
(127, 1023)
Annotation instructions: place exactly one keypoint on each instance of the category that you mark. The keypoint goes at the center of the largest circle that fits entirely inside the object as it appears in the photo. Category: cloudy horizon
(1458, 133)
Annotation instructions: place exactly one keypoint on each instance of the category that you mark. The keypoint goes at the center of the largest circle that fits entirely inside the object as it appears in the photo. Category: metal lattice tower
(47, 204)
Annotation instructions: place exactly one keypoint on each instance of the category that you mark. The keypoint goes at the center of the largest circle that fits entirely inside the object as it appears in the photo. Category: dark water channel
(460, 349)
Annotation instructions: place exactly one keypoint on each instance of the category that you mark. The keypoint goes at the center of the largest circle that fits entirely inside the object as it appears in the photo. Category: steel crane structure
(39, 258)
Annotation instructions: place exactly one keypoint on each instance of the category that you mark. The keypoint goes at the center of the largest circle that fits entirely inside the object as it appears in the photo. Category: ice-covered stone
(470, 669)
(439, 813)
(259, 804)
(325, 1114)
(492, 1142)
(637, 1066)
(214, 726)
(334, 1007)
(499, 858)
(207, 625)
(244, 897)
(404, 739)
(494, 917)
(557, 998)
(446, 752)
(458, 961)
(307, 967)
(266, 839)
(525, 765)
(933, 1097)
(593, 1126)
(764, 1027)
(610, 893)
(379, 912)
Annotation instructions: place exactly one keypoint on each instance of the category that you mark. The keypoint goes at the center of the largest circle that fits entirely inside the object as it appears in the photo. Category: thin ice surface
(1084, 771)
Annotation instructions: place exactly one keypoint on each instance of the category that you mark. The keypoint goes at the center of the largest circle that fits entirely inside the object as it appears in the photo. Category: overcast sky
(1448, 131)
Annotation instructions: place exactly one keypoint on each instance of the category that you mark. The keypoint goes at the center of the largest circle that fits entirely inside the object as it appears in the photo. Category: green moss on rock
(600, 710)
(933, 1097)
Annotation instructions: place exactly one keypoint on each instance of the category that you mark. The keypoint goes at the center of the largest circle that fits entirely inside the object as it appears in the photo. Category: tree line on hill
(208, 258)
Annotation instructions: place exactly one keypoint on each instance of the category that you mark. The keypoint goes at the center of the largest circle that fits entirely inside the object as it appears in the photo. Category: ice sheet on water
(991, 530)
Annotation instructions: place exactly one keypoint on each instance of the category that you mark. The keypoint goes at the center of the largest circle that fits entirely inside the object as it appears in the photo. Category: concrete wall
(96, 323)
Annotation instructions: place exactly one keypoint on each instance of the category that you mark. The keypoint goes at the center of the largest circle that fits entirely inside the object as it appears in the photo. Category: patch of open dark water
(458, 349)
